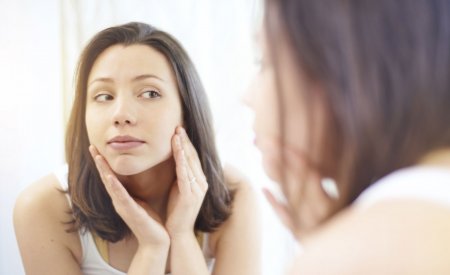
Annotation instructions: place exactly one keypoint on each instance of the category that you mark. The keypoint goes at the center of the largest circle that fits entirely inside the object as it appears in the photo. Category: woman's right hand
(306, 204)
(140, 218)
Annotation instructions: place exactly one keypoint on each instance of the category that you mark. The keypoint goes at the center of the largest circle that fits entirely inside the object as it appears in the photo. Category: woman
(144, 192)
(352, 119)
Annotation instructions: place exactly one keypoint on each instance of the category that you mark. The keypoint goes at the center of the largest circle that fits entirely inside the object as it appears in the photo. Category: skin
(301, 180)
(375, 240)
(157, 187)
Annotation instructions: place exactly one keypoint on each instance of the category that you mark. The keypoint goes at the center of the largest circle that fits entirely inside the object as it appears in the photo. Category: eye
(150, 94)
(103, 97)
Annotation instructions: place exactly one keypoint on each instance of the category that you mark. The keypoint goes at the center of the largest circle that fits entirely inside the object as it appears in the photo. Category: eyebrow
(137, 78)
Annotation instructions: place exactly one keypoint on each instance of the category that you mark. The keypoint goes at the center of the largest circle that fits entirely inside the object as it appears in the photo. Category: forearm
(149, 261)
(186, 256)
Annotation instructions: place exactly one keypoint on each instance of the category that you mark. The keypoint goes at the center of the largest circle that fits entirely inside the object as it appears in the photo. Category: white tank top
(92, 262)
(424, 183)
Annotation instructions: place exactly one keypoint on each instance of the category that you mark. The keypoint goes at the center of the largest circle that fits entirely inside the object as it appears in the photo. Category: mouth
(124, 142)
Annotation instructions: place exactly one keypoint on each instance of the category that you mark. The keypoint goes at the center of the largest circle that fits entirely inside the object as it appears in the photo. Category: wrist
(153, 251)
(155, 243)
(182, 236)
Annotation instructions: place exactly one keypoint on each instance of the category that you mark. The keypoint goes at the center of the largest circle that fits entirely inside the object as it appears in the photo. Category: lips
(125, 142)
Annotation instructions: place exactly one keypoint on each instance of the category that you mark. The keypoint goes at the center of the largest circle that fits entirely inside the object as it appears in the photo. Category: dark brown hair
(92, 207)
(384, 67)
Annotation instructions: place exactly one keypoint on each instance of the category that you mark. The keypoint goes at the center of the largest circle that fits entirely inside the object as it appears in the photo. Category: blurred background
(39, 46)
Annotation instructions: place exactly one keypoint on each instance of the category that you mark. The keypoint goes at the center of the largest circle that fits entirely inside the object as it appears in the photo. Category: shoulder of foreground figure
(401, 236)
(42, 197)
(238, 238)
(235, 179)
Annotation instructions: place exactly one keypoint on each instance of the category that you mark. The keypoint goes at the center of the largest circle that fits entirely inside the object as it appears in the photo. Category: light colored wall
(31, 126)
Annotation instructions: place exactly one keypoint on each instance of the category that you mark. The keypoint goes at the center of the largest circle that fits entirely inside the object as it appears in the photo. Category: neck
(440, 157)
(152, 186)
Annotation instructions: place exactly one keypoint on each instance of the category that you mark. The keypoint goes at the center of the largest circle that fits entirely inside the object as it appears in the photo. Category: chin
(127, 166)
(128, 170)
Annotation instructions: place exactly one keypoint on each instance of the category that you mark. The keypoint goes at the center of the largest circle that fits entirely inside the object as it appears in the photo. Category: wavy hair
(92, 207)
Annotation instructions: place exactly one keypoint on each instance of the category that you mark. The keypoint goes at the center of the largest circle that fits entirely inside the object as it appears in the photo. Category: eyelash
(152, 94)
(96, 98)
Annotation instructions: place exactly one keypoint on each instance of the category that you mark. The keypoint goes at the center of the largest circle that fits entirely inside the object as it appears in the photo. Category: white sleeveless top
(424, 183)
(92, 262)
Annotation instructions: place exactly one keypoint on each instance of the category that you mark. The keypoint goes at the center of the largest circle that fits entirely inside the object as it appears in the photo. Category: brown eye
(103, 97)
(150, 94)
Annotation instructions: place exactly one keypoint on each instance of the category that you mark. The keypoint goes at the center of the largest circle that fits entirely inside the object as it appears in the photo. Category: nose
(124, 113)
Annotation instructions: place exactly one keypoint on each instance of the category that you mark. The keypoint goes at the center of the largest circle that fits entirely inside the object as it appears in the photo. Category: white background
(39, 45)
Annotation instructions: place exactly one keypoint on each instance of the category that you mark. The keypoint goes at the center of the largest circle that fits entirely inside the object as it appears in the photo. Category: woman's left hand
(307, 204)
(137, 214)
(188, 191)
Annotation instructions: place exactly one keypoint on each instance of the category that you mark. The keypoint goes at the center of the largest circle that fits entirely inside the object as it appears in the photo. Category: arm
(390, 237)
(44, 244)
(154, 242)
(238, 246)
(149, 261)
(237, 241)
(186, 256)
(185, 200)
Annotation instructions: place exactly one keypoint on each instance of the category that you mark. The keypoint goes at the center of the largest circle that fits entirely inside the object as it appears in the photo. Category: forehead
(121, 62)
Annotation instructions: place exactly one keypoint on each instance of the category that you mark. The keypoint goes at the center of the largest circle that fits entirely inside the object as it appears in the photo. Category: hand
(140, 218)
(307, 204)
(187, 193)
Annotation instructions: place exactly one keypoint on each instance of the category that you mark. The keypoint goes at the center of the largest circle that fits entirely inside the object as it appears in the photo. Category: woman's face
(280, 84)
(132, 107)
(266, 97)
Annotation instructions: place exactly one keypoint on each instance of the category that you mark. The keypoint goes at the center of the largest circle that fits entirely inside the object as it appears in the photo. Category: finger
(298, 174)
(134, 213)
(191, 152)
(105, 173)
(280, 209)
(93, 151)
(186, 142)
(101, 164)
(193, 159)
(318, 198)
(180, 165)
(195, 183)
(304, 191)
(118, 192)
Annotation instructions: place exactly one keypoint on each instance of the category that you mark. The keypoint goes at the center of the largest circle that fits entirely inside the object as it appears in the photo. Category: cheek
(163, 128)
(265, 105)
(93, 126)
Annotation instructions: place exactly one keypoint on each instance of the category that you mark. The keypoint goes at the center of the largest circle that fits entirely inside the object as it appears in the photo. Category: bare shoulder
(237, 181)
(41, 216)
(237, 241)
(244, 199)
(245, 194)
(43, 199)
(391, 237)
